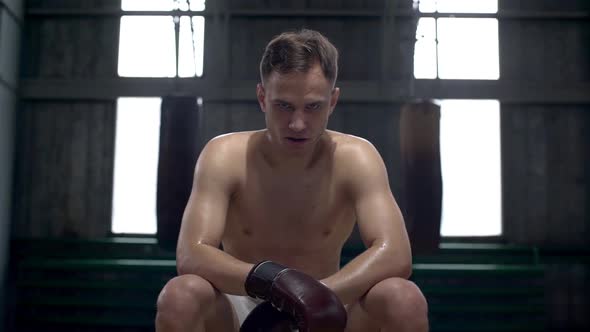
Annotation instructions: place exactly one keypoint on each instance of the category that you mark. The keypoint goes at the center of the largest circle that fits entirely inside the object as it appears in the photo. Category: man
(291, 194)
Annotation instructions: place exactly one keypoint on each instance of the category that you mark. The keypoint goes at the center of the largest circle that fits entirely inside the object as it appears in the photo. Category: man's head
(297, 93)
(298, 52)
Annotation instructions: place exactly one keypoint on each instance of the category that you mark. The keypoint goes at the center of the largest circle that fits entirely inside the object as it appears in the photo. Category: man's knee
(396, 299)
(186, 295)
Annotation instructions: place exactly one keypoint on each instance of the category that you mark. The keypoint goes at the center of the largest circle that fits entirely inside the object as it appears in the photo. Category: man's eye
(284, 106)
(313, 107)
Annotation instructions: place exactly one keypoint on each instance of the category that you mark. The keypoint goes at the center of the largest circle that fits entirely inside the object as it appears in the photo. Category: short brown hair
(297, 52)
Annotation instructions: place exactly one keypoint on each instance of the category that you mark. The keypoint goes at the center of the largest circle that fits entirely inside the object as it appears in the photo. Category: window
(147, 48)
(136, 165)
(470, 162)
(464, 48)
(457, 48)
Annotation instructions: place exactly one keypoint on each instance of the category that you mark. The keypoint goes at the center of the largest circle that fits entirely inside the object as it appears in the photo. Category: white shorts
(243, 305)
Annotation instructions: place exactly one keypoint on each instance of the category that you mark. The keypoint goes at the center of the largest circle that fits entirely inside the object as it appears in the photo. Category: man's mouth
(296, 139)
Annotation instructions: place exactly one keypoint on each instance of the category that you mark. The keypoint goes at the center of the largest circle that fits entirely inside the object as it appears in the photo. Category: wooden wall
(545, 163)
(11, 18)
(65, 148)
(545, 150)
(65, 169)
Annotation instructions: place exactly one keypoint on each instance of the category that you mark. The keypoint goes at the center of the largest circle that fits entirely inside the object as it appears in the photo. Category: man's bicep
(379, 218)
(204, 216)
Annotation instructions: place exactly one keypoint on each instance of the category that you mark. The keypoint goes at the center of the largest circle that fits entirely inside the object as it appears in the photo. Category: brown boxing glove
(313, 306)
(266, 318)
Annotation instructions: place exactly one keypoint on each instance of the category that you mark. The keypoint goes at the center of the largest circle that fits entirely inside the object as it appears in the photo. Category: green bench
(112, 284)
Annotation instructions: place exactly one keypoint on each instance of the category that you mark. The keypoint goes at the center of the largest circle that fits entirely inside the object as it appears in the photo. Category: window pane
(468, 48)
(427, 6)
(197, 5)
(147, 47)
(467, 6)
(136, 165)
(161, 5)
(147, 4)
(470, 161)
(190, 62)
(425, 49)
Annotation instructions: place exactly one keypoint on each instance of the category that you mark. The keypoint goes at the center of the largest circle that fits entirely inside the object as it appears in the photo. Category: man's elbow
(405, 268)
(182, 263)
(185, 260)
(401, 267)
(400, 264)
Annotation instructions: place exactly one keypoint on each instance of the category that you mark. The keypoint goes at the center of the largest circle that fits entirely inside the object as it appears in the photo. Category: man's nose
(297, 122)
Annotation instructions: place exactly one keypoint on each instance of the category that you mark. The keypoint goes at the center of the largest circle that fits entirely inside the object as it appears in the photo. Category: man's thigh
(223, 317)
(359, 321)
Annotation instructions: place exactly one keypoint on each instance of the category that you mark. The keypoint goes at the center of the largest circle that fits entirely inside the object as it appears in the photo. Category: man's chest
(292, 199)
(272, 201)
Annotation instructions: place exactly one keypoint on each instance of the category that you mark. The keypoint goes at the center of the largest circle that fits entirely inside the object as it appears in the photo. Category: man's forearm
(222, 270)
(375, 264)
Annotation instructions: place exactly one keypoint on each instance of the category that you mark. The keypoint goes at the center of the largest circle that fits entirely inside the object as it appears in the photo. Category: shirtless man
(291, 194)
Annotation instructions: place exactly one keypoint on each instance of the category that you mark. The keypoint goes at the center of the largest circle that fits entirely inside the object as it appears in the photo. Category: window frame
(436, 15)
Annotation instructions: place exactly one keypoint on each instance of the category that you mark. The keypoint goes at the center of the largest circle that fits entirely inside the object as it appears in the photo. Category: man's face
(297, 107)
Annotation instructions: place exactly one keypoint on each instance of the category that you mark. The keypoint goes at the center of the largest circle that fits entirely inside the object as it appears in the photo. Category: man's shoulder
(235, 137)
(356, 157)
(350, 146)
(226, 152)
(231, 142)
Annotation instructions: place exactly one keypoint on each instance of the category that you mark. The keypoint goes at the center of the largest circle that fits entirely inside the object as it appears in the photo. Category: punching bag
(421, 174)
(178, 155)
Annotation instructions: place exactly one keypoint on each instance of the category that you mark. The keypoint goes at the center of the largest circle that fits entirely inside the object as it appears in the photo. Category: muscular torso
(298, 218)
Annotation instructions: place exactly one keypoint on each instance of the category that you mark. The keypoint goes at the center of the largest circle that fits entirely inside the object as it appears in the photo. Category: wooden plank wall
(546, 182)
(546, 150)
(65, 149)
(546, 187)
(65, 169)
(11, 18)
(546, 197)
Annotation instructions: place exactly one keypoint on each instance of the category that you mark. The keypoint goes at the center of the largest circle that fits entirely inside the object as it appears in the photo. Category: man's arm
(380, 224)
(203, 223)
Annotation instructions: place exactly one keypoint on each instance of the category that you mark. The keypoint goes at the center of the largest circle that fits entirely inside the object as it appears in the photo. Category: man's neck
(291, 161)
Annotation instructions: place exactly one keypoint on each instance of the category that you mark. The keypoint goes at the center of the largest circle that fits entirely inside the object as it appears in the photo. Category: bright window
(458, 6)
(470, 161)
(465, 48)
(468, 48)
(147, 48)
(136, 165)
(457, 48)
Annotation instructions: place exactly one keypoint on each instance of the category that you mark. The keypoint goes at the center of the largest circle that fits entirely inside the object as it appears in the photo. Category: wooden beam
(351, 91)
(273, 13)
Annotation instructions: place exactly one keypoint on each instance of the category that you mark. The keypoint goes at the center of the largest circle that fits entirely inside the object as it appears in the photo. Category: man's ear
(260, 96)
(334, 98)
